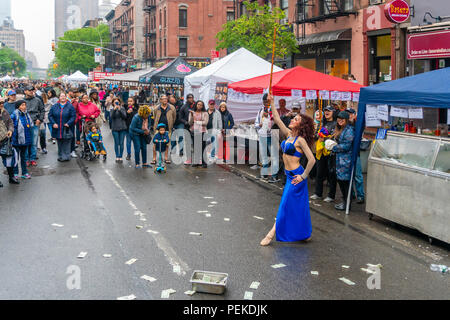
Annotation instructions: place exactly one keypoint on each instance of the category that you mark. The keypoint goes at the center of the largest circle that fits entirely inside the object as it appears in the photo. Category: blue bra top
(289, 148)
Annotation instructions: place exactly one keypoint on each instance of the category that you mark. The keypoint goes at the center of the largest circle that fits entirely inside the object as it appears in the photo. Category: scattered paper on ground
(131, 261)
(74, 236)
(143, 219)
(82, 255)
(277, 266)
(346, 267)
(221, 180)
(255, 285)
(195, 233)
(213, 202)
(368, 271)
(177, 269)
(107, 255)
(208, 215)
(152, 231)
(317, 205)
(259, 218)
(148, 278)
(349, 282)
(139, 227)
(165, 294)
(248, 295)
(208, 197)
(130, 297)
(190, 293)
(57, 225)
(202, 211)
(315, 273)
(211, 206)
(379, 266)
(227, 219)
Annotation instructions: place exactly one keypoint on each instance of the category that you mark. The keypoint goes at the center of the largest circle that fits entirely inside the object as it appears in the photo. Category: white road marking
(162, 243)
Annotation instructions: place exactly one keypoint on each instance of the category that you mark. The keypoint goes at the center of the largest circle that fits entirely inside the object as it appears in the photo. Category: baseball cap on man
(211, 102)
(11, 93)
(329, 108)
(351, 111)
(29, 88)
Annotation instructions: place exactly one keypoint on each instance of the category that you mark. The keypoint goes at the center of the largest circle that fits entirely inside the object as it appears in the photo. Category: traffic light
(16, 63)
(55, 66)
(53, 46)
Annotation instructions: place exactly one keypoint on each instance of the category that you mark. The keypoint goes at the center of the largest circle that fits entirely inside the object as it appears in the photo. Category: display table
(408, 182)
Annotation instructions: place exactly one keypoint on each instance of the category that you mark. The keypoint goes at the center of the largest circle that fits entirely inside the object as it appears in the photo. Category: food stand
(409, 173)
(168, 78)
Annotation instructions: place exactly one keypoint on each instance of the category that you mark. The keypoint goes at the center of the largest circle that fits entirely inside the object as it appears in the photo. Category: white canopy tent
(6, 78)
(128, 77)
(77, 77)
(237, 66)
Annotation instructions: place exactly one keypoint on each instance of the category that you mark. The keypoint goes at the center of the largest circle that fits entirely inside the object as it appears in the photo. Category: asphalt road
(102, 203)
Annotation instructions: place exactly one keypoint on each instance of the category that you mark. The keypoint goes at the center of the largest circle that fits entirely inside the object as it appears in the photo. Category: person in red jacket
(87, 110)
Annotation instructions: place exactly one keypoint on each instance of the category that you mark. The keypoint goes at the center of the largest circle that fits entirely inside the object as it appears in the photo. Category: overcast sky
(37, 19)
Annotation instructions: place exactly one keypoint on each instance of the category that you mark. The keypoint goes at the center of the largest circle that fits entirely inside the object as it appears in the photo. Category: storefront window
(336, 68)
(384, 46)
(307, 63)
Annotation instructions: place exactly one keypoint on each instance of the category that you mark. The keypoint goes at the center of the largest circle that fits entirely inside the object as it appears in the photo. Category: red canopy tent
(297, 78)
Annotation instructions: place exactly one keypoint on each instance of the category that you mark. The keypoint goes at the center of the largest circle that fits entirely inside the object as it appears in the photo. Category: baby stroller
(87, 153)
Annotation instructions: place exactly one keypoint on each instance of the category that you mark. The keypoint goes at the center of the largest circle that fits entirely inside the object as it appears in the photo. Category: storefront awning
(336, 35)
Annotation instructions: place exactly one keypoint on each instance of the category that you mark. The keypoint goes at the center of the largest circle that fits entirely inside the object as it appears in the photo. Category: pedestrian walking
(45, 124)
(21, 138)
(344, 135)
(359, 178)
(118, 127)
(7, 152)
(164, 113)
(132, 109)
(293, 221)
(227, 124)
(36, 110)
(326, 164)
(214, 128)
(184, 119)
(198, 120)
(62, 118)
(140, 134)
(93, 97)
(178, 126)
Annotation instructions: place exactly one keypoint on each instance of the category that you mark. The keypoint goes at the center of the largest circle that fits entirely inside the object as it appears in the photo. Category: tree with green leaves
(71, 57)
(254, 31)
(11, 61)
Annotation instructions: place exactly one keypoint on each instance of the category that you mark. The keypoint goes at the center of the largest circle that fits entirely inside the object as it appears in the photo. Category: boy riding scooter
(160, 142)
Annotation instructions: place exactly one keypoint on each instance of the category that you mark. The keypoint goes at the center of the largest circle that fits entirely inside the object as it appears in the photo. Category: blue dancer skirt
(294, 218)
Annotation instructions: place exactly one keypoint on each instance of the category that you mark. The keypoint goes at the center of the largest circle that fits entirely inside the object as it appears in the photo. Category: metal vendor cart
(408, 182)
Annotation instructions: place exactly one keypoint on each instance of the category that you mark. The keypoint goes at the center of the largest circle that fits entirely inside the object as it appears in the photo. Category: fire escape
(313, 11)
(150, 30)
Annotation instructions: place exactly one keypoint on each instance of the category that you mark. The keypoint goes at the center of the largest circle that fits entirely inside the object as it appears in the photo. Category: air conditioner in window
(284, 21)
(373, 2)
(182, 54)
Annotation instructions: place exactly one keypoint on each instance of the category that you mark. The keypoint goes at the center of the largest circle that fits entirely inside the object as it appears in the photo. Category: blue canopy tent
(429, 90)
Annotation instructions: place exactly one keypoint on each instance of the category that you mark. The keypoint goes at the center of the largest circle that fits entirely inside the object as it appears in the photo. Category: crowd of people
(80, 116)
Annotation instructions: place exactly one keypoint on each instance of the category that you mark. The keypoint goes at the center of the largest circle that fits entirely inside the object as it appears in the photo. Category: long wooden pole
(273, 57)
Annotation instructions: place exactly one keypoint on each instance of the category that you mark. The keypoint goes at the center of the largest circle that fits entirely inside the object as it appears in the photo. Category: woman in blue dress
(294, 220)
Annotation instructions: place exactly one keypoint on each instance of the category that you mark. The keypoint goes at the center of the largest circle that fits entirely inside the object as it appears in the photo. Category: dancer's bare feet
(267, 240)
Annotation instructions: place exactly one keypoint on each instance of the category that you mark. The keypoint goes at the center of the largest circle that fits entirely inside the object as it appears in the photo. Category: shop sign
(375, 19)
(397, 11)
(317, 50)
(429, 45)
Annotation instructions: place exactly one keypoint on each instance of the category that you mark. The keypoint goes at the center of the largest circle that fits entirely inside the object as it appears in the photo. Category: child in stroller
(95, 140)
(160, 142)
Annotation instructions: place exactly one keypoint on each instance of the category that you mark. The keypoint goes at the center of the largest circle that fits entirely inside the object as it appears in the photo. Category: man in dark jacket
(185, 110)
(36, 110)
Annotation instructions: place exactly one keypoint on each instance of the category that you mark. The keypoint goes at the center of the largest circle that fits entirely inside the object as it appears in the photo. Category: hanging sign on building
(397, 11)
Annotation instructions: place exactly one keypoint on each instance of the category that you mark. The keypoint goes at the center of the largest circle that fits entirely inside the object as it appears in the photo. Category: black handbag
(6, 148)
(148, 138)
(67, 133)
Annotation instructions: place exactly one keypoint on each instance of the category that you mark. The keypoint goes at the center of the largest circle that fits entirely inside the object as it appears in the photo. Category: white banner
(399, 112)
(336, 95)
(355, 97)
(311, 94)
(415, 113)
(296, 94)
(324, 94)
(346, 96)
(383, 112)
(372, 116)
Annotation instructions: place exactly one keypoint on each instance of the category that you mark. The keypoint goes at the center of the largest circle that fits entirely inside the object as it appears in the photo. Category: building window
(165, 18)
(348, 5)
(230, 15)
(183, 17)
(183, 47)
(160, 48)
(284, 5)
(165, 48)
